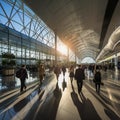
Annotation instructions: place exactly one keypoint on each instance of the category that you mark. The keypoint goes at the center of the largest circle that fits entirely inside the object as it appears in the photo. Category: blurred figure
(79, 76)
(57, 71)
(41, 73)
(71, 73)
(64, 84)
(63, 70)
(23, 76)
(105, 68)
(97, 79)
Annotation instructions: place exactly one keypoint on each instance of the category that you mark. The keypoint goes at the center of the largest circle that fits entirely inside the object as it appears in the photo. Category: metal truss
(16, 15)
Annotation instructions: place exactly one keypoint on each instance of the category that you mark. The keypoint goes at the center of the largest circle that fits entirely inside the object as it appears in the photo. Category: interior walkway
(61, 101)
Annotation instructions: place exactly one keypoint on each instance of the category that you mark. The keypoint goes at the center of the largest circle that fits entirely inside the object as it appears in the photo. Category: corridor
(61, 101)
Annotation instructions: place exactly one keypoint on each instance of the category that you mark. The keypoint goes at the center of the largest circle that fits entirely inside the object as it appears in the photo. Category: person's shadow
(57, 91)
(109, 112)
(48, 109)
(64, 84)
(85, 108)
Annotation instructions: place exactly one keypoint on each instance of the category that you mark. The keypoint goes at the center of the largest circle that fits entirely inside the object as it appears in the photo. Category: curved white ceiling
(84, 25)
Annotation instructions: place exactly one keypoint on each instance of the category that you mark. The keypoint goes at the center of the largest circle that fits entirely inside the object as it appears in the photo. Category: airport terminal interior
(62, 36)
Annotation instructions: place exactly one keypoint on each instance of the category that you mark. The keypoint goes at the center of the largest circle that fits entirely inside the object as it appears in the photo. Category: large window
(16, 15)
(23, 33)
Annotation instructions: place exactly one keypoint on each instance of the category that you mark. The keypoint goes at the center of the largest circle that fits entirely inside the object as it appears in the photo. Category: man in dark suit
(79, 76)
(24, 75)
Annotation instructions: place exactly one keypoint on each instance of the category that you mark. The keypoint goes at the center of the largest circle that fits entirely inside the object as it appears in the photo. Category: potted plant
(8, 63)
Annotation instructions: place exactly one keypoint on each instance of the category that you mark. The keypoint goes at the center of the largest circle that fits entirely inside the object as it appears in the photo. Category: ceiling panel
(79, 23)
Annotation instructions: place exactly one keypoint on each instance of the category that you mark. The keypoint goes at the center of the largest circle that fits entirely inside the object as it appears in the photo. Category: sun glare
(62, 49)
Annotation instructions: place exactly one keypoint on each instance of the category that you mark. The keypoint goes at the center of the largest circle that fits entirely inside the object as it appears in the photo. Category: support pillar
(116, 62)
(75, 58)
(68, 55)
(55, 49)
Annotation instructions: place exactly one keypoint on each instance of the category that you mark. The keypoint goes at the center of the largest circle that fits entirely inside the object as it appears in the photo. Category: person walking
(23, 76)
(79, 76)
(57, 71)
(71, 73)
(41, 71)
(64, 70)
(97, 79)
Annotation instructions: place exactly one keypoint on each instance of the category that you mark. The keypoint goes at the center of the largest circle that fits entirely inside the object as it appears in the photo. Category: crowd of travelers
(75, 73)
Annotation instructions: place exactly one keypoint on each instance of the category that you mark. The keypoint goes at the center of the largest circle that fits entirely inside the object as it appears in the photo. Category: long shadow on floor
(11, 99)
(85, 107)
(110, 113)
(49, 108)
(9, 113)
(105, 102)
(64, 84)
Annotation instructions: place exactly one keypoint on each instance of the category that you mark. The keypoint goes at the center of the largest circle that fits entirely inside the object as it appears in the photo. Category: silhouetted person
(64, 84)
(24, 75)
(97, 79)
(57, 71)
(41, 73)
(71, 73)
(64, 70)
(79, 76)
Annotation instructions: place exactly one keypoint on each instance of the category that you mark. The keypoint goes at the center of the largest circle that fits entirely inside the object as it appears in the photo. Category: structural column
(75, 58)
(55, 49)
(116, 61)
(68, 55)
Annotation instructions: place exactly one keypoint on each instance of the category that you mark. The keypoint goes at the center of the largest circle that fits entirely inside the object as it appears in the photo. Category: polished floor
(60, 100)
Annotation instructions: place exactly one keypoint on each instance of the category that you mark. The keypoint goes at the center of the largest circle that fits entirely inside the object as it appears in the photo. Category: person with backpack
(22, 76)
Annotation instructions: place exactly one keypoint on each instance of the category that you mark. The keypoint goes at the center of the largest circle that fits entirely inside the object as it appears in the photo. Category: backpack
(18, 73)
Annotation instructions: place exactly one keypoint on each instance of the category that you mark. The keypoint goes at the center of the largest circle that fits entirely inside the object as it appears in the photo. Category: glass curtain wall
(24, 34)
